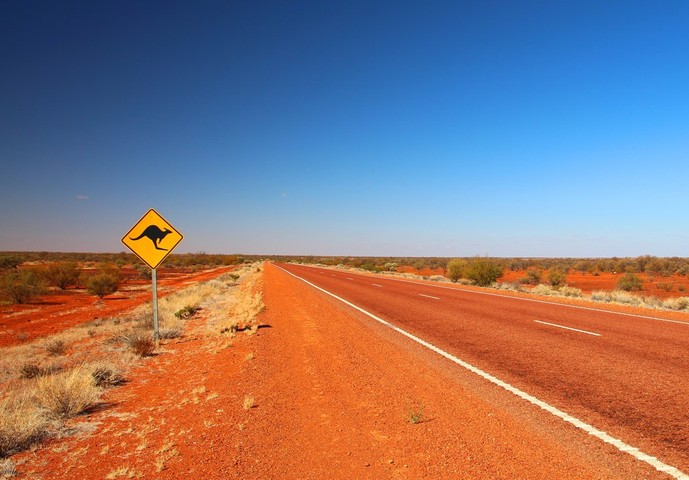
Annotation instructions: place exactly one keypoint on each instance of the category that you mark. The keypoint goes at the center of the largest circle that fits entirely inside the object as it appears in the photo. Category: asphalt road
(625, 375)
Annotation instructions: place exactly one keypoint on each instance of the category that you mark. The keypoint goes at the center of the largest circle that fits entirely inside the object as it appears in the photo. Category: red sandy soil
(332, 396)
(589, 282)
(62, 309)
(426, 272)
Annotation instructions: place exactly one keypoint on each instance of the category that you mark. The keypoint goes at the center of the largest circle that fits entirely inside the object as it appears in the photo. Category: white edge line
(580, 307)
(568, 328)
(591, 430)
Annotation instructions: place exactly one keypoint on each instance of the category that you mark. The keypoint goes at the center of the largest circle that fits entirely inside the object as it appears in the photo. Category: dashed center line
(568, 328)
(376, 285)
(590, 429)
(429, 296)
(350, 278)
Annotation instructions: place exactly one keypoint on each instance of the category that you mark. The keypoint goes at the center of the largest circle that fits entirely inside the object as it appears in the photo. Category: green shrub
(483, 271)
(556, 278)
(102, 284)
(630, 282)
(187, 312)
(533, 276)
(22, 286)
(8, 262)
(456, 268)
(62, 275)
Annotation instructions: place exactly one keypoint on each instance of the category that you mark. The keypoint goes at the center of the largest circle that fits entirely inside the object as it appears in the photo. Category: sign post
(152, 239)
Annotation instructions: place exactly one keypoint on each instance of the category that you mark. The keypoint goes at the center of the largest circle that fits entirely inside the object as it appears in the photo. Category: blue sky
(348, 128)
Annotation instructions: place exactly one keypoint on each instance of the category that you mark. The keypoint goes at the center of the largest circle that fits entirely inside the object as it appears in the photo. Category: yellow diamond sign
(152, 238)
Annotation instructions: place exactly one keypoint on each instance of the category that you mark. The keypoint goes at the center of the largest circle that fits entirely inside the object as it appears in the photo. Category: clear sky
(460, 128)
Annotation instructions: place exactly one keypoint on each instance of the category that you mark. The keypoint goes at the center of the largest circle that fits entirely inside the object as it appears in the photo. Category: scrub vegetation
(52, 379)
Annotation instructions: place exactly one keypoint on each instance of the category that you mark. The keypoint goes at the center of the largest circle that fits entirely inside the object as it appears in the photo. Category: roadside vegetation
(52, 379)
(543, 276)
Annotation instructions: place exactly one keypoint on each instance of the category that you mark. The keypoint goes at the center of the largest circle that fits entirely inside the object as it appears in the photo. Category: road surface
(626, 376)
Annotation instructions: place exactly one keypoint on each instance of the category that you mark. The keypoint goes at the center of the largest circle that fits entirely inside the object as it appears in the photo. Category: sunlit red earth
(330, 401)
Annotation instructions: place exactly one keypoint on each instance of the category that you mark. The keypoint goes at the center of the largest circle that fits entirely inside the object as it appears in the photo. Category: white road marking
(591, 430)
(350, 278)
(376, 285)
(429, 296)
(568, 328)
(546, 302)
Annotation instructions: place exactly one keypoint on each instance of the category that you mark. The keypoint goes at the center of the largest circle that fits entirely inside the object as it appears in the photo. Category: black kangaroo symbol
(155, 234)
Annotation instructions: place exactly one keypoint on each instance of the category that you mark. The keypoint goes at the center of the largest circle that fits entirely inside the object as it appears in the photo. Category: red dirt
(426, 272)
(61, 309)
(588, 282)
(333, 393)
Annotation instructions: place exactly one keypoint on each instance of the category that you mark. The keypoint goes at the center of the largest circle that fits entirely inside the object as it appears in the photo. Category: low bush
(102, 284)
(630, 282)
(22, 286)
(533, 276)
(483, 271)
(456, 269)
(62, 275)
(556, 278)
(141, 344)
(9, 262)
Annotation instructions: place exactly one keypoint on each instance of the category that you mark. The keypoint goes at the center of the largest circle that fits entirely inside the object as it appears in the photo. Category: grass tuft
(66, 394)
(142, 345)
(56, 347)
(106, 375)
(415, 413)
(21, 425)
(249, 402)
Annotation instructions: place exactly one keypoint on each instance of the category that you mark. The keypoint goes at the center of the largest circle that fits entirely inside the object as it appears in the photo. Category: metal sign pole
(154, 280)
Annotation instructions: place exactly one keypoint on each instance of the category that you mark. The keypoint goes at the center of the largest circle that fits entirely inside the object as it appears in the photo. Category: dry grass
(244, 309)
(7, 469)
(40, 386)
(106, 374)
(21, 424)
(165, 453)
(249, 402)
(141, 344)
(66, 394)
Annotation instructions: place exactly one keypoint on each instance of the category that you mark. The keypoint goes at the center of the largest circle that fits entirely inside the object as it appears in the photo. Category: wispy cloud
(81, 197)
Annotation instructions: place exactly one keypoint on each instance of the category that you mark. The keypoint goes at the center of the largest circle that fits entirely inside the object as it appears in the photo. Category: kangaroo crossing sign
(152, 239)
